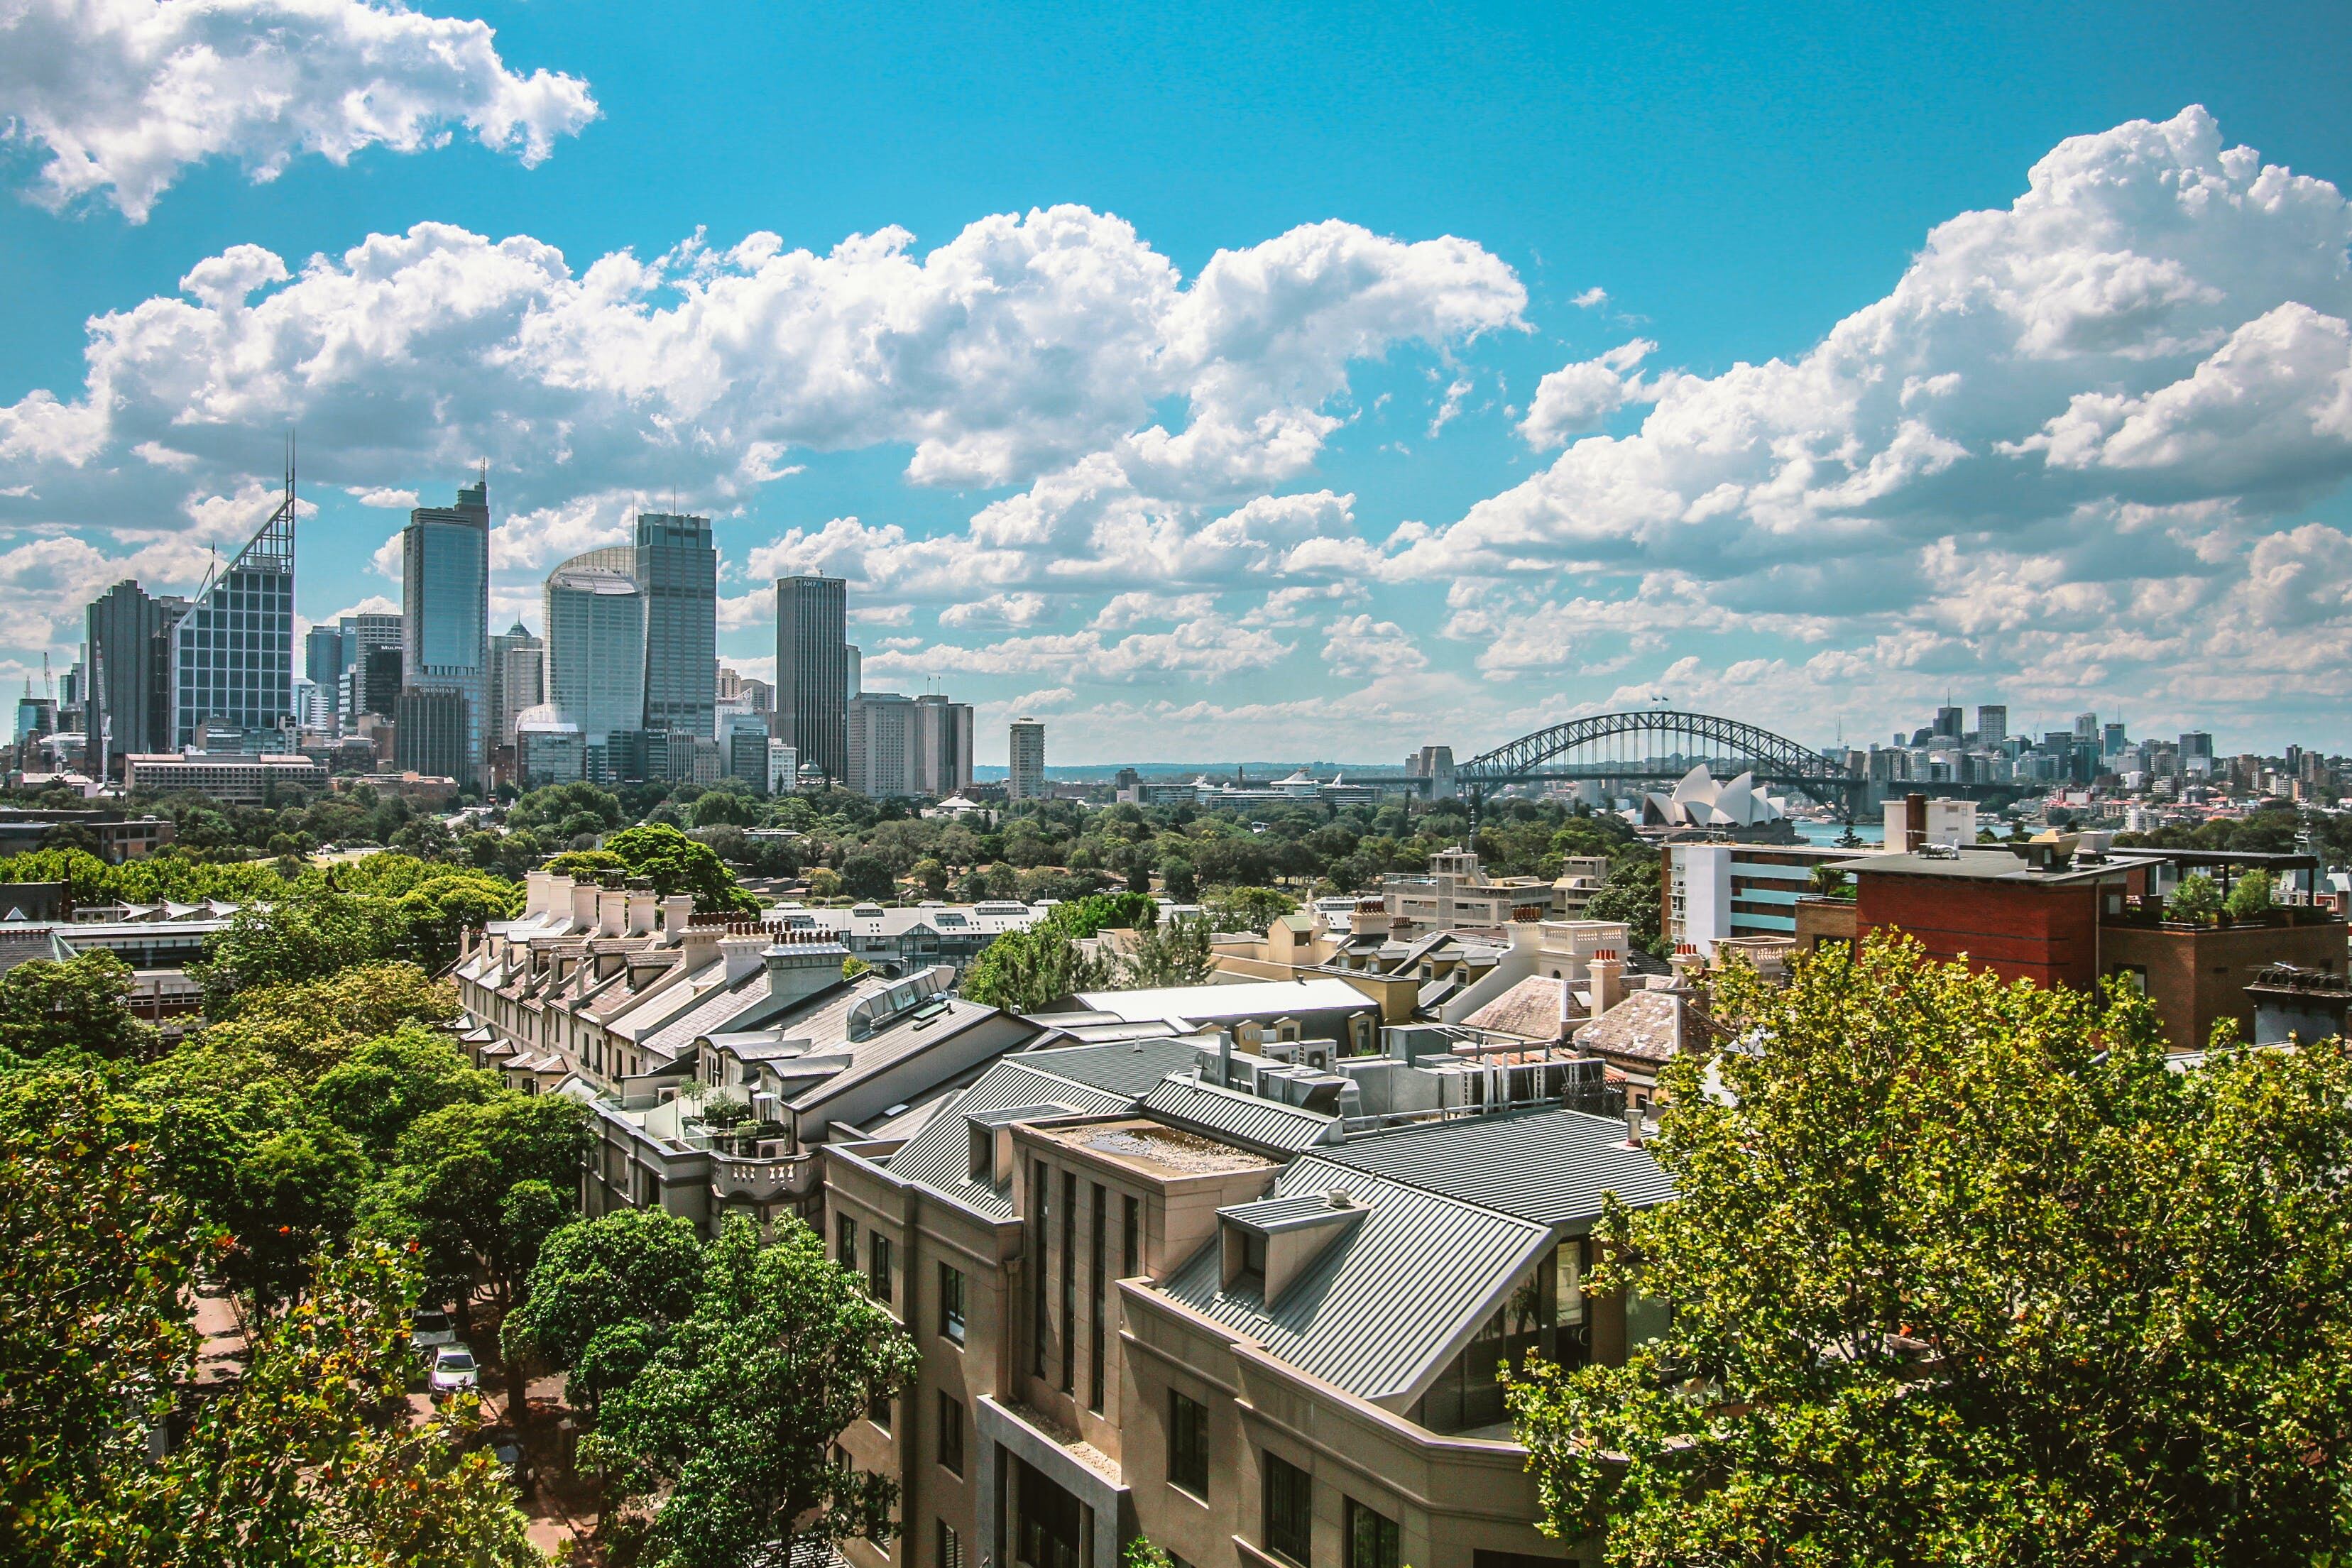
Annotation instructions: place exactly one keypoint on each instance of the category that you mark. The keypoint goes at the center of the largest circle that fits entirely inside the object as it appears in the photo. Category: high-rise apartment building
(1026, 779)
(1949, 721)
(942, 764)
(1993, 726)
(677, 571)
(128, 657)
(517, 680)
(232, 663)
(812, 670)
(446, 613)
(881, 734)
(595, 618)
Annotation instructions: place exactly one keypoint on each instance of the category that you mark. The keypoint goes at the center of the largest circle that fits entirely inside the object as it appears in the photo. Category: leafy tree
(553, 807)
(2197, 899)
(731, 1423)
(1246, 908)
(1023, 971)
(97, 1256)
(307, 1027)
(453, 1170)
(385, 1084)
(867, 876)
(605, 1293)
(81, 1004)
(293, 1192)
(1173, 953)
(1961, 1273)
(1179, 880)
(438, 913)
(2251, 897)
(676, 864)
(305, 933)
(725, 808)
(931, 877)
(854, 965)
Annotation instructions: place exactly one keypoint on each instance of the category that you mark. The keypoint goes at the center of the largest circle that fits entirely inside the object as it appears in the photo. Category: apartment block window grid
(951, 1326)
(1289, 1513)
(951, 1433)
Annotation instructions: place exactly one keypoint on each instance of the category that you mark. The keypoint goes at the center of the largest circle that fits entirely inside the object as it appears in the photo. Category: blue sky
(1181, 471)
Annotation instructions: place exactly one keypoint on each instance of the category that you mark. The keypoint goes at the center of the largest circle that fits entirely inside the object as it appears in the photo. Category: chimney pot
(1633, 1126)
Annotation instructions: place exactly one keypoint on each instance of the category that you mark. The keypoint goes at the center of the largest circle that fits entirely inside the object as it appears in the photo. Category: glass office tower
(677, 569)
(445, 611)
(595, 618)
(813, 670)
(233, 650)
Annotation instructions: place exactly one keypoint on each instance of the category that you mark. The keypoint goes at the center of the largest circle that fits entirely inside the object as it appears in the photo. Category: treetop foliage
(1962, 1273)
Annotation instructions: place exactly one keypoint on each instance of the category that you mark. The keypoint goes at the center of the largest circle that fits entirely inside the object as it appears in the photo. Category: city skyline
(1809, 424)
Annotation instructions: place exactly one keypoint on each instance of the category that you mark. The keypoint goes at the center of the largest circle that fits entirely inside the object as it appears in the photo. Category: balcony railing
(2149, 914)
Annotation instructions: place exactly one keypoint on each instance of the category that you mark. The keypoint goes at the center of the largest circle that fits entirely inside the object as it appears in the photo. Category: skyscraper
(813, 670)
(943, 763)
(1026, 779)
(1993, 726)
(128, 657)
(1948, 722)
(882, 745)
(677, 569)
(322, 655)
(517, 680)
(364, 635)
(445, 579)
(595, 617)
(232, 665)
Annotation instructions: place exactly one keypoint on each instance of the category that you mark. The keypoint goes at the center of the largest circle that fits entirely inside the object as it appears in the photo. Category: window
(1041, 1191)
(951, 1302)
(878, 1270)
(1188, 1445)
(1289, 1511)
(951, 1433)
(1371, 1538)
(878, 1410)
(950, 1552)
(1130, 1234)
(1096, 1288)
(845, 1241)
(1069, 1281)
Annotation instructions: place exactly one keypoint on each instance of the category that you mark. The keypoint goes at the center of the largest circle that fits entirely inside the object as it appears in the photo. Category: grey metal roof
(1549, 1167)
(1288, 1212)
(1090, 1079)
(1212, 1003)
(1265, 1125)
(1391, 1299)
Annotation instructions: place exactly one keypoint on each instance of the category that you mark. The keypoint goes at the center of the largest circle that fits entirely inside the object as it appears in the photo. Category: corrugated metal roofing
(1551, 1166)
(1267, 1124)
(1203, 1004)
(1097, 1080)
(1391, 1299)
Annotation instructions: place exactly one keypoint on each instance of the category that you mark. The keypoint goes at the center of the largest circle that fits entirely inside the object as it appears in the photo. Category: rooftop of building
(1548, 1166)
(1389, 1299)
(1212, 1003)
(1155, 1150)
(1988, 862)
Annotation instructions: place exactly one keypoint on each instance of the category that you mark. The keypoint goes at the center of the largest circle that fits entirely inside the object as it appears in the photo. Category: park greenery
(1962, 1271)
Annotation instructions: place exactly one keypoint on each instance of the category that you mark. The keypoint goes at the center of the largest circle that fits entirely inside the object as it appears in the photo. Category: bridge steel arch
(1688, 739)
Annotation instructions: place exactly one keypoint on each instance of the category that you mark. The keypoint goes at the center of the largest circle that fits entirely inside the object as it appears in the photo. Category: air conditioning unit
(664, 1097)
(774, 1148)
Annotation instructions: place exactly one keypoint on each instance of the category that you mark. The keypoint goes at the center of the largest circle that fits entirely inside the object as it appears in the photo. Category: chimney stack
(676, 914)
(583, 905)
(642, 905)
(612, 911)
(538, 893)
(1632, 1125)
(1608, 973)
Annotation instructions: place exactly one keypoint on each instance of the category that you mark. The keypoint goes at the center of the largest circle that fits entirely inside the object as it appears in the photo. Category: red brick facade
(2048, 934)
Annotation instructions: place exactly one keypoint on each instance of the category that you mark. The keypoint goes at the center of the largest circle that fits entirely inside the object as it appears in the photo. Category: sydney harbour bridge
(1644, 748)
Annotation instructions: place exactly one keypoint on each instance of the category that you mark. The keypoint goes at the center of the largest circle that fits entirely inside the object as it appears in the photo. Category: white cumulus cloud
(122, 95)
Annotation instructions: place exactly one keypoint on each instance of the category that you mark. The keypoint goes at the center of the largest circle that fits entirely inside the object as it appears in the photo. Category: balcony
(2148, 914)
(735, 1180)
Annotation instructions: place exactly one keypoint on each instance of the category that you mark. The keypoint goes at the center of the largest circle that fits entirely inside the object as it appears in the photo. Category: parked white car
(453, 1369)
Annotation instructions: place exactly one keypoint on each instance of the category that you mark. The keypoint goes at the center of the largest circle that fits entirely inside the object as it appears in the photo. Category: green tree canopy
(549, 808)
(676, 864)
(2198, 898)
(1245, 908)
(605, 1293)
(305, 1028)
(304, 933)
(453, 1171)
(2251, 895)
(731, 1423)
(82, 1004)
(1961, 1273)
(387, 1083)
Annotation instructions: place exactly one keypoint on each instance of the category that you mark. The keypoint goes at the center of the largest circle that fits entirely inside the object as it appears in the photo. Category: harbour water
(1827, 834)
